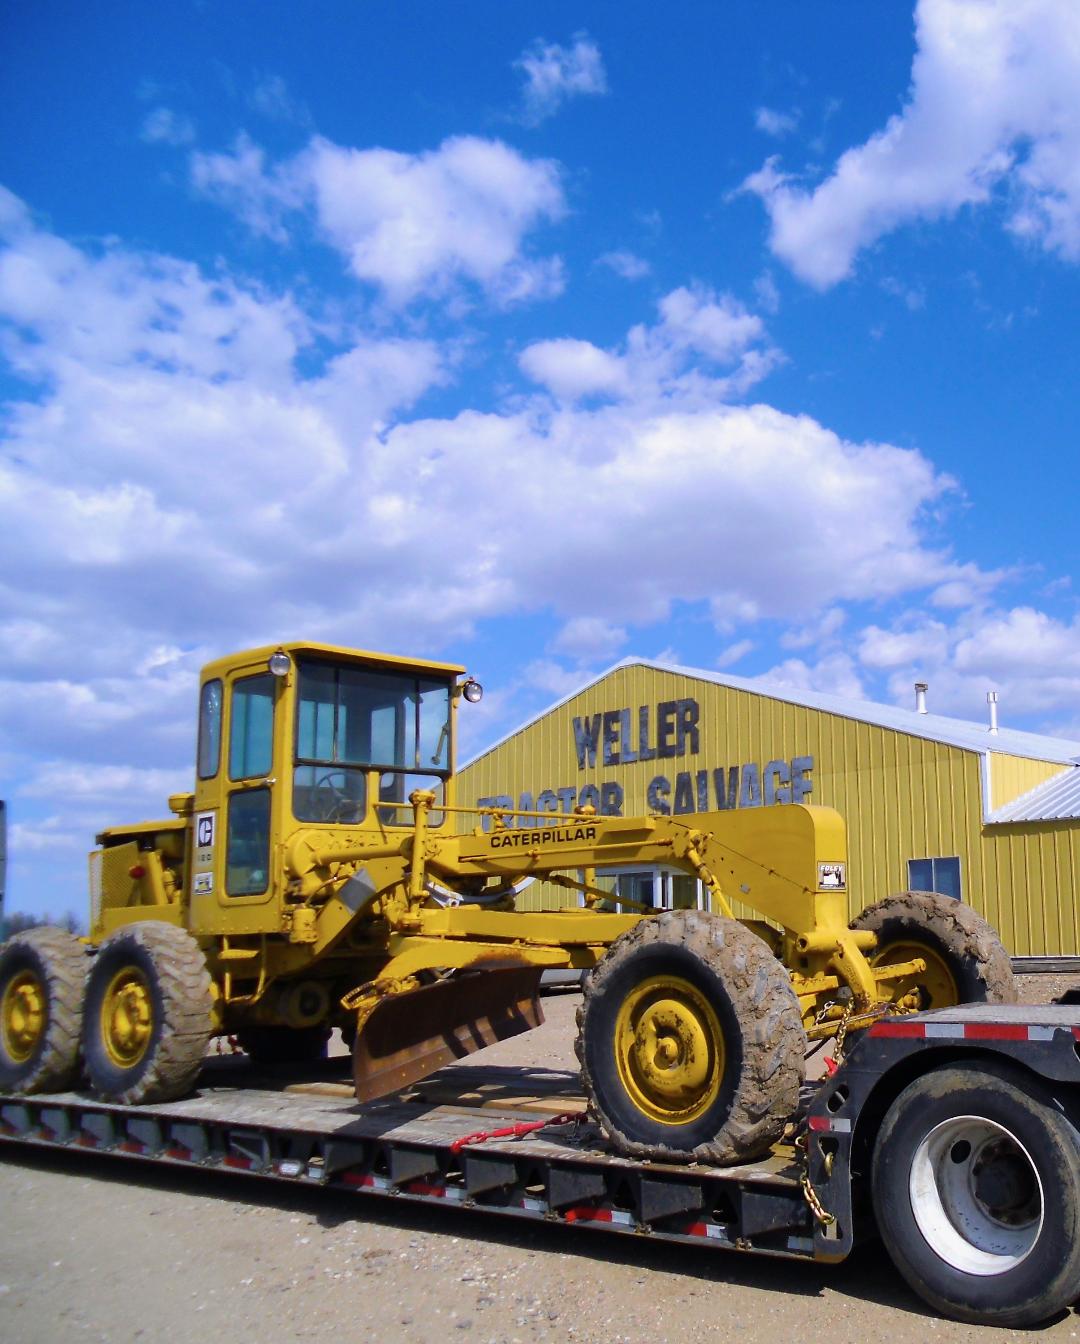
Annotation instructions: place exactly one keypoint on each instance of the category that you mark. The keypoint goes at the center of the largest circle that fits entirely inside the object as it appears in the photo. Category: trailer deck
(425, 1147)
(516, 1141)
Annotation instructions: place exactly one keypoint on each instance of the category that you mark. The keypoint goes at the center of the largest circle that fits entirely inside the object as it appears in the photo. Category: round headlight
(280, 663)
(473, 691)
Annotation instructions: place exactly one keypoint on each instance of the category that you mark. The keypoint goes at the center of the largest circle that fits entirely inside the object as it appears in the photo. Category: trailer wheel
(284, 1045)
(42, 977)
(148, 1014)
(965, 959)
(976, 1190)
(690, 1041)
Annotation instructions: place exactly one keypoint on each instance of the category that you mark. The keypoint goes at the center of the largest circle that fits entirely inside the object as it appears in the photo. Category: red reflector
(587, 1215)
(898, 1029)
(425, 1188)
(819, 1123)
(136, 870)
(995, 1031)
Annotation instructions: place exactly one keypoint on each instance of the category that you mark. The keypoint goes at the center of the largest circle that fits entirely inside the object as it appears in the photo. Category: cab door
(233, 879)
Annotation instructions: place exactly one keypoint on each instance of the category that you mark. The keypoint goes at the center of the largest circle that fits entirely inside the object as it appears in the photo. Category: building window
(941, 875)
(656, 888)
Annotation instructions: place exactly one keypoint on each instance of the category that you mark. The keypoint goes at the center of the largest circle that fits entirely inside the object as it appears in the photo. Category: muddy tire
(42, 979)
(966, 962)
(690, 1041)
(284, 1045)
(147, 1020)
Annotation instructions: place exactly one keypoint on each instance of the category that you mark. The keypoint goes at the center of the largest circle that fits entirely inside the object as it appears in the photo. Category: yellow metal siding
(903, 797)
(1011, 776)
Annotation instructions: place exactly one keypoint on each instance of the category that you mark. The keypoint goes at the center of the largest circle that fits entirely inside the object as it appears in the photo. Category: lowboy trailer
(956, 1133)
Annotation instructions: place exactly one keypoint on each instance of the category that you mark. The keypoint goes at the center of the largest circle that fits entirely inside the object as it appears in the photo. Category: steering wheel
(333, 801)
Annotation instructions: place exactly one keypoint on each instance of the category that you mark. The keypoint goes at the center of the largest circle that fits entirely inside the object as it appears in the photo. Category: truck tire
(147, 1021)
(690, 1041)
(42, 978)
(284, 1045)
(976, 1191)
(966, 962)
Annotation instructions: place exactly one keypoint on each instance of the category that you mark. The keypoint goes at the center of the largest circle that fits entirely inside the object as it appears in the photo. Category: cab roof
(299, 648)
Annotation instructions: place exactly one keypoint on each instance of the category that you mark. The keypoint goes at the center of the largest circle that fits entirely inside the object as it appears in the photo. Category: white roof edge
(962, 733)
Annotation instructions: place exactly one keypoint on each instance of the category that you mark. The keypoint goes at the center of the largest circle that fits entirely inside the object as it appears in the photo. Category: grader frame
(313, 878)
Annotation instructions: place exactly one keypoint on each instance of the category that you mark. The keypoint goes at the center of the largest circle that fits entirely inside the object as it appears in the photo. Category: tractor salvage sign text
(670, 729)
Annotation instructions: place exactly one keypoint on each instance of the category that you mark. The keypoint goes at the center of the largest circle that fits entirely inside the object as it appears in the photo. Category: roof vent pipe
(920, 697)
(992, 702)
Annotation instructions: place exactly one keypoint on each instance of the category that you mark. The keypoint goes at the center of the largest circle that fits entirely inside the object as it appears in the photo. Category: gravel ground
(96, 1250)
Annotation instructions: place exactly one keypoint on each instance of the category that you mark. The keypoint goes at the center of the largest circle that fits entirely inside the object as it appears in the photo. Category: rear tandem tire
(42, 978)
(976, 1191)
(690, 1041)
(966, 961)
(148, 1014)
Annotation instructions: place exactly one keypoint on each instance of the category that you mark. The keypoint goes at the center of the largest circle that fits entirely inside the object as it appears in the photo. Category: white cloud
(696, 328)
(819, 631)
(552, 679)
(554, 73)
(835, 674)
(271, 98)
(244, 183)
(575, 369)
(412, 224)
(916, 647)
(774, 123)
(1030, 657)
(992, 109)
(164, 126)
(625, 264)
(589, 639)
(1021, 641)
(734, 653)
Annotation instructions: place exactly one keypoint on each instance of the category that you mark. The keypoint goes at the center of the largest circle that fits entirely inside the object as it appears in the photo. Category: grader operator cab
(323, 874)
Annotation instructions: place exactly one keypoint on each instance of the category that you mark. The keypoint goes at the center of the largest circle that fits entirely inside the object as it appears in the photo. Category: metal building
(985, 814)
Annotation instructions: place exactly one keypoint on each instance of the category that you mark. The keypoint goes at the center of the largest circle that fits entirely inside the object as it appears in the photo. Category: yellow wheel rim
(669, 1050)
(127, 1017)
(23, 1016)
(935, 987)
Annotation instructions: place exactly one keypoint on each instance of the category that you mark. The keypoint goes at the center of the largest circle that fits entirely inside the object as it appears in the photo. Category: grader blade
(411, 1035)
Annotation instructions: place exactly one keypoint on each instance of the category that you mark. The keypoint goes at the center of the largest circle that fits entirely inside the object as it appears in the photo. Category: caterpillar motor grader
(322, 874)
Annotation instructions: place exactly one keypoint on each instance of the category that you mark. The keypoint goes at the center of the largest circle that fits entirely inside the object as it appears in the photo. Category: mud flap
(411, 1035)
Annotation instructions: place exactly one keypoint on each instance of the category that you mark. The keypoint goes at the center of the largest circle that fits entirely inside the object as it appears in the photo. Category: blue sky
(530, 337)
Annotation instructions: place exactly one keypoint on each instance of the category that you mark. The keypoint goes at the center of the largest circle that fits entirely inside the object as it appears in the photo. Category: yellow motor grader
(322, 874)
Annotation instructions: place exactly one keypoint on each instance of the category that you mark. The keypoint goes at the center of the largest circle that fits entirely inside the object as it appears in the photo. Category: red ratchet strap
(513, 1131)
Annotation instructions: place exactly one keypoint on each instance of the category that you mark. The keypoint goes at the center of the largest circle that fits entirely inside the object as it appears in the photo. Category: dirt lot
(96, 1250)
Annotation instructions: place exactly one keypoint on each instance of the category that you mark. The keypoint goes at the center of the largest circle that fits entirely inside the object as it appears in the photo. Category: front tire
(976, 1191)
(690, 1041)
(148, 1014)
(42, 977)
(965, 959)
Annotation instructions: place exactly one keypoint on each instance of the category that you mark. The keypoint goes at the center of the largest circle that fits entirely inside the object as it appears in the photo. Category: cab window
(251, 730)
(210, 700)
(247, 854)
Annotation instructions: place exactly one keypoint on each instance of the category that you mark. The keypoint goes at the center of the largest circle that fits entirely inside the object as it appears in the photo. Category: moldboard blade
(411, 1035)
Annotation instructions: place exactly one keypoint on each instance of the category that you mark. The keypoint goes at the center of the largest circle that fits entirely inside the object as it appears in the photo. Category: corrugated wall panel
(902, 797)
(1011, 776)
